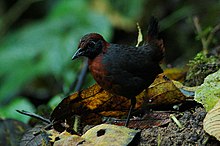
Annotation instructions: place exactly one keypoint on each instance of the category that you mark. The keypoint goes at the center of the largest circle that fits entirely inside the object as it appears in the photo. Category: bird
(122, 69)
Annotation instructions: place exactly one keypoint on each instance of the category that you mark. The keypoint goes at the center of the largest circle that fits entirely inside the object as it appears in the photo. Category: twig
(33, 115)
(82, 76)
(176, 121)
(211, 34)
(205, 140)
(159, 139)
(77, 122)
(77, 84)
(199, 31)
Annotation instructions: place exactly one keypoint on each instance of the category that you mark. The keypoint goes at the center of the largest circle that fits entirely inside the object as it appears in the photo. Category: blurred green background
(39, 37)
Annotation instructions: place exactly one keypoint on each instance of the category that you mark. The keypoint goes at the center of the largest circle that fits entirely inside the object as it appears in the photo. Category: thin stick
(77, 84)
(82, 76)
(212, 33)
(199, 31)
(176, 121)
(33, 115)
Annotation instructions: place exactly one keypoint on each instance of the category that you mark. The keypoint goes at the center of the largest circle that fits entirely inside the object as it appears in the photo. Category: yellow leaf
(162, 92)
(112, 135)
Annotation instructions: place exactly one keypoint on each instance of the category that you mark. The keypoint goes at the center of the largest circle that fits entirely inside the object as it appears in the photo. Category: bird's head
(90, 45)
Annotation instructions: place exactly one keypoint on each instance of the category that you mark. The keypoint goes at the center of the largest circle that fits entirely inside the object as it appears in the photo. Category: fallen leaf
(162, 92)
(104, 134)
(111, 135)
(65, 138)
(72, 140)
(211, 122)
(189, 92)
(176, 74)
(93, 103)
(53, 134)
(208, 94)
(35, 137)
(11, 131)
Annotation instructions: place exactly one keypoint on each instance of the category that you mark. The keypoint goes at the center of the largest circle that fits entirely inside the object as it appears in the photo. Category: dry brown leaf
(162, 92)
(93, 103)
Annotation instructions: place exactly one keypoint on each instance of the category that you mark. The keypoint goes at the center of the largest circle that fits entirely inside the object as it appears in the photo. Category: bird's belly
(116, 80)
(102, 78)
(119, 84)
(100, 74)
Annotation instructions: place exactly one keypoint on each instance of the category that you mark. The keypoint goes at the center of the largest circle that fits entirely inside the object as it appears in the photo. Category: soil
(191, 117)
(192, 133)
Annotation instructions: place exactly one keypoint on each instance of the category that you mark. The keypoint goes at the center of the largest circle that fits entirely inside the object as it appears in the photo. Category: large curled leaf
(208, 93)
(212, 121)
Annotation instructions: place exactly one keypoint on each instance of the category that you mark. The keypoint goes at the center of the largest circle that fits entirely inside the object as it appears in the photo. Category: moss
(200, 67)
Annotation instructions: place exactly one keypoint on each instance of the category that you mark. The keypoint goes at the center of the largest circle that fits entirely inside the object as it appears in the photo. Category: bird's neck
(105, 48)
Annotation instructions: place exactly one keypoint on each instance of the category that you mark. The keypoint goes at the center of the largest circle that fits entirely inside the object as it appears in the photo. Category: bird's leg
(133, 103)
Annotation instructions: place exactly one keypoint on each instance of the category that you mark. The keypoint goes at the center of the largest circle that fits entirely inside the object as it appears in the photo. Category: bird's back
(129, 69)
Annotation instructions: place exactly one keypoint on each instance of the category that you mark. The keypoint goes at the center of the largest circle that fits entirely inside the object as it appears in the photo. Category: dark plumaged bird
(120, 69)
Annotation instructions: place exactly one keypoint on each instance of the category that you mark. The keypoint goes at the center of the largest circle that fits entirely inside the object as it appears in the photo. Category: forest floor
(191, 134)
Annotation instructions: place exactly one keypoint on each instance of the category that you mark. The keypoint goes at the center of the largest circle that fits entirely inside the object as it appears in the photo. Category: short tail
(152, 38)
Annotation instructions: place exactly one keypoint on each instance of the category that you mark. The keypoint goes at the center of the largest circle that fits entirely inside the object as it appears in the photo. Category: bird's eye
(91, 44)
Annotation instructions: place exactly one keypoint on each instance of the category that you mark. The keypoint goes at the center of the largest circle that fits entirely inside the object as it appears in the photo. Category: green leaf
(55, 101)
(20, 103)
(176, 16)
(208, 93)
(45, 47)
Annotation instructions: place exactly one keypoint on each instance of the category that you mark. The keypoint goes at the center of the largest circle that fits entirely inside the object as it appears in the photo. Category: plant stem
(199, 31)
(211, 34)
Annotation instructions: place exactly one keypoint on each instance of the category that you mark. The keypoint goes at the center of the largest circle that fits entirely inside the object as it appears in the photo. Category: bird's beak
(78, 53)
